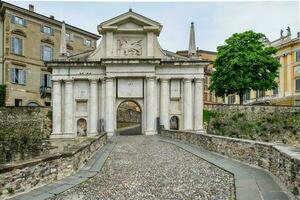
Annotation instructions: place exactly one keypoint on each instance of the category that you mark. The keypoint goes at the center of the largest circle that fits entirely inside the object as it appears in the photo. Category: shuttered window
(16, 45)
(298, 56)
(47, 29)
(18, 76)
(231, 99)
(19, 20)
(46, 80)
(46, 53)
(69, 37)
(297, 85)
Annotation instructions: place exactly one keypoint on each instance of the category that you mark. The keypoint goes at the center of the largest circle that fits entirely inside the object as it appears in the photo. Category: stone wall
(36, 118)
(281, 160)
(250, 109)
(27, 175)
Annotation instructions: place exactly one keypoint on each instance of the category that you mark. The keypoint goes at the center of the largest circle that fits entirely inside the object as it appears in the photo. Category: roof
(198, 51)
(5, 5)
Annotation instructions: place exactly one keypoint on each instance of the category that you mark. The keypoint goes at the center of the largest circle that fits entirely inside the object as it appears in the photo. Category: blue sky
(214, 21)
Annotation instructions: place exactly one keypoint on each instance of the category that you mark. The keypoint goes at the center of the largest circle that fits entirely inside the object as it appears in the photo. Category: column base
(109, 133)
(62, 136)
(200, 131)
(92, 134)
(152, 132)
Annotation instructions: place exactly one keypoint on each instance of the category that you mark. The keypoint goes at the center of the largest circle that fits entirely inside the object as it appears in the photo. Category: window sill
(18, 84)
(20, 55)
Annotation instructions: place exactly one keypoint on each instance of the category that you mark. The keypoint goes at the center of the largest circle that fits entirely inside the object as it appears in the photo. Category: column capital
(187, 79)
(164, 79)
(93, 80)
(57, 81)
(69, 81)
(199, 80)
(150, 77)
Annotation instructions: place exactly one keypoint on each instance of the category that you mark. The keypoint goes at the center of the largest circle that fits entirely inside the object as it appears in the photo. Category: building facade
(27, 40)
(128, 65)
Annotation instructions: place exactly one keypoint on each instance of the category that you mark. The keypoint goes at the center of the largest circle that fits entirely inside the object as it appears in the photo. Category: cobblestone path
(143, 167)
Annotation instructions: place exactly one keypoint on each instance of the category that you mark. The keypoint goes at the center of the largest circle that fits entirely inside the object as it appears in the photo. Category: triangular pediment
(130, 21)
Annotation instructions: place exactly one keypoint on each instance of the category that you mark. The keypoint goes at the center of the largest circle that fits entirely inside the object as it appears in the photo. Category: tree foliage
(243, 64)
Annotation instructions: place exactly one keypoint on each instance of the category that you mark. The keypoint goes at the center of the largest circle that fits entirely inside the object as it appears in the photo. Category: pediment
(130, 21)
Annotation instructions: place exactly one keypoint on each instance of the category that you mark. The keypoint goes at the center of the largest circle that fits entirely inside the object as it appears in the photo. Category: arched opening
(81, 127)
(174, 123)
(129, 118)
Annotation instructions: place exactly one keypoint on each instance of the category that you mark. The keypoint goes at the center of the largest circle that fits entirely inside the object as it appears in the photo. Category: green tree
(243, 64)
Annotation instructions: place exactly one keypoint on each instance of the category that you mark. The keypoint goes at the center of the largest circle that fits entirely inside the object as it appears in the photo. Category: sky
(214, 21)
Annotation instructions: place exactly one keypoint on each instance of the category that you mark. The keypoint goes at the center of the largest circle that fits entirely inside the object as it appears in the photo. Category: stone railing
(15, 178)
(281, 160)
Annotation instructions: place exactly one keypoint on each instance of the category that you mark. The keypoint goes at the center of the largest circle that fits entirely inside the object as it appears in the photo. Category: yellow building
(27, 39)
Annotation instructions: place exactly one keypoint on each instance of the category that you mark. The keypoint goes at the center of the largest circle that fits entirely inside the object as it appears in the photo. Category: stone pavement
(151, 167)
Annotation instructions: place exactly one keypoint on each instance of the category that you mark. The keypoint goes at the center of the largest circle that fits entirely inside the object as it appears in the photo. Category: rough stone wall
(25, 176)
(35, 118)
(282, 161)
(253, 111)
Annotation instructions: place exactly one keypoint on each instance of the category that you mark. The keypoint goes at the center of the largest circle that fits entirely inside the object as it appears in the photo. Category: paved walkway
(140, 167)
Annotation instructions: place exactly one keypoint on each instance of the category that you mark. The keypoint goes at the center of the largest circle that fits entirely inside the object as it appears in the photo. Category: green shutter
(42, 80)
(41, 52)
(24, 77)
(21, 47)
(52, 31)
(12, 46)
(13, 19)
(12, 75)
(42, 28)
(25, 22)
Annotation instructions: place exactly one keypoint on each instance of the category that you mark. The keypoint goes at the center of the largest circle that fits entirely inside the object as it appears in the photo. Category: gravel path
(142, 167)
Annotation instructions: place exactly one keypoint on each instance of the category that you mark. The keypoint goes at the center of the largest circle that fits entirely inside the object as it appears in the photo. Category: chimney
(31, 7)
(51, 17)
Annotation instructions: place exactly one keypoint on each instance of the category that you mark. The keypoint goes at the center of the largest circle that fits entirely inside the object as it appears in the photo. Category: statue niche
(81, 127)
(128, 47)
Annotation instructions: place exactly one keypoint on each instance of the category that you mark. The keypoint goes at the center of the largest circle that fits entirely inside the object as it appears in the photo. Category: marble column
(198, 102)
(69, 108)
(187, 105)
(150, 118)
(109, 106)
(281, 77)
(56, 104)
(289, 76)
(93, 115)
(164, 103)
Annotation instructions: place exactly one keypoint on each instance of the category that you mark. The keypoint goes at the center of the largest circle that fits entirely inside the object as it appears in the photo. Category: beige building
(27, 40)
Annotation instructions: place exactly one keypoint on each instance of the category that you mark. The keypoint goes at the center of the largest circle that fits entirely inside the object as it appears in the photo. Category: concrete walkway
(251, 183)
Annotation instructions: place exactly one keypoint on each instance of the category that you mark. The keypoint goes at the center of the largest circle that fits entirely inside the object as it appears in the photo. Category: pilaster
(198, 107)
(56, 105)
(164, 103)
(69, 102)
(109, 106)
(150, 126)
(187, 105)
(93, 104)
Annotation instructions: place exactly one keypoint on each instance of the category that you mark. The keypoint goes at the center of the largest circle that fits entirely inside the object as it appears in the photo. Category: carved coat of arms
(130, 48)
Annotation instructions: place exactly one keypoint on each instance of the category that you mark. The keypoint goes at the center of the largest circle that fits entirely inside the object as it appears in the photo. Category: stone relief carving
(130, 47)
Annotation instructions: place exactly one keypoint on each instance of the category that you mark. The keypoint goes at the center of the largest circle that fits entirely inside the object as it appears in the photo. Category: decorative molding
(19, 32)
(48, 41)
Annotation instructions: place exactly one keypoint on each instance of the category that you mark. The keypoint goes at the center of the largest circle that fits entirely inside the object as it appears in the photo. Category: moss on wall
(281, 126)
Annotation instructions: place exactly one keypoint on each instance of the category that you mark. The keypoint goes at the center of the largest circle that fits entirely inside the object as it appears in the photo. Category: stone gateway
(128, 64)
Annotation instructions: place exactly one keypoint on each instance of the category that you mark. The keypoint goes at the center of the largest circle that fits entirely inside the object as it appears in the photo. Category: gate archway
(129, 118)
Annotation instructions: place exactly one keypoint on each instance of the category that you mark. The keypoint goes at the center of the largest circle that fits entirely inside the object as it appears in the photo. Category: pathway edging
(89, 170)
(250, 183)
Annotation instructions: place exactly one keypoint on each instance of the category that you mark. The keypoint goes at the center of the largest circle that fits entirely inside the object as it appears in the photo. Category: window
(18, 76)
(69, 37)
(46, 29)
(260, 94)
(16, 45)
(297, 56)
(46, 80)
(246, 96)
(231, 99)
(18, 102)
(275, 91)
(19, 21)
(46, 53)
(297, 85)
(87, 43)
(297, 103)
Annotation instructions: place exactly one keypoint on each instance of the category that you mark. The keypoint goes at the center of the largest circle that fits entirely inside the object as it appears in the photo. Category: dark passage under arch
(129, 118)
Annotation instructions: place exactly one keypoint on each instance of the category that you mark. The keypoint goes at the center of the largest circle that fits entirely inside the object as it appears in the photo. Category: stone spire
(63, 42)
(192, 43)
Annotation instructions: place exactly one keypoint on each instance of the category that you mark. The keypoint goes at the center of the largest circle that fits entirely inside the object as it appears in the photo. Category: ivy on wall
(2, 95)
